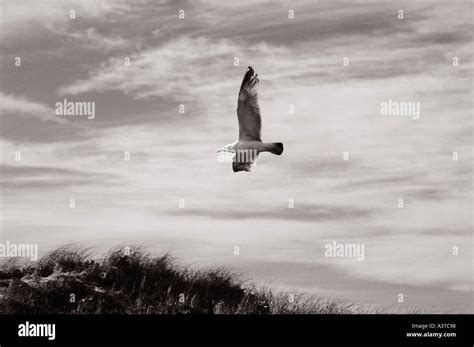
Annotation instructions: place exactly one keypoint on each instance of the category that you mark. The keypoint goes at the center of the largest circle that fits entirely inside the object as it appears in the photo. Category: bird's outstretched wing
(248, 111)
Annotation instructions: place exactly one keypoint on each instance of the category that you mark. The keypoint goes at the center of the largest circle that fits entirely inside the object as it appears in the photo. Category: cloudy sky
(191, 61)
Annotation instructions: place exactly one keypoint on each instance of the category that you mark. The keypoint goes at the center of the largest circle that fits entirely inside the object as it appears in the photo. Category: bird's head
(226, 148)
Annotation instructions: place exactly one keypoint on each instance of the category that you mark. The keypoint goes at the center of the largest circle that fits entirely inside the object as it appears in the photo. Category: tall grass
(133, 282)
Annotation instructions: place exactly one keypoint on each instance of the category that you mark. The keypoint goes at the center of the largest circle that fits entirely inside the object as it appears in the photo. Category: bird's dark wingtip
(248, 75)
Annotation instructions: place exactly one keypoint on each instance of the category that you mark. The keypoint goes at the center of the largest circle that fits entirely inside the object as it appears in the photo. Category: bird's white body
(248, 145)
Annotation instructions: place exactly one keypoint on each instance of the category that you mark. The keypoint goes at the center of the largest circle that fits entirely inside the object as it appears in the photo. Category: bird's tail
(275, 148)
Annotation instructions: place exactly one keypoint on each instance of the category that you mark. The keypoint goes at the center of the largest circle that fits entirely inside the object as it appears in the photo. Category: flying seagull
(249, 145)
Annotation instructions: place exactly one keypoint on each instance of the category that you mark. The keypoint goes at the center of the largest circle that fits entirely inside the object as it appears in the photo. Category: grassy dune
(68, 281)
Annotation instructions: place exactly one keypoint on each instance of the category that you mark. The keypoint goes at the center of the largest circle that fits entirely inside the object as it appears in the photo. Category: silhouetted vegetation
(133, 282)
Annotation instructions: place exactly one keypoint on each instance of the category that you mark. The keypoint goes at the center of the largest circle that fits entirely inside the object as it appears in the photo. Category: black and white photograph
(242, 162)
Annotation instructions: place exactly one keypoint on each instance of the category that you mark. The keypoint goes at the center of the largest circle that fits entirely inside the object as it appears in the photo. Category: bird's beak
(220, 150)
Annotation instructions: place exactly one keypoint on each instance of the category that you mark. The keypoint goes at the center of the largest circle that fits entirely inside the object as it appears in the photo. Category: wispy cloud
(205, 69)
(40, 177)
(23, 107)
(24, 16)
(304, 213)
